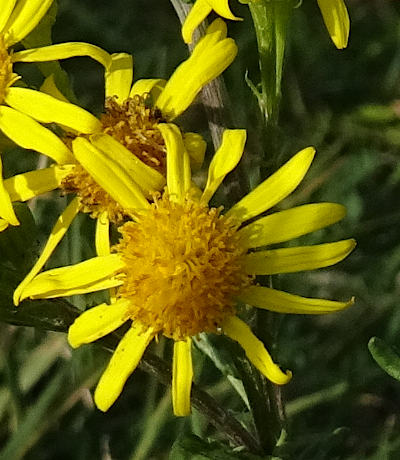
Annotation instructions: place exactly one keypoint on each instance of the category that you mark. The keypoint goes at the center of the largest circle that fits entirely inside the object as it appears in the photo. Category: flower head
(334, 13)
(118, 161)
(17, 19)
(181, 266)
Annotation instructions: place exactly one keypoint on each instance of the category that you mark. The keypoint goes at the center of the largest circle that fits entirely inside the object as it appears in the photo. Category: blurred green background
(340, 404)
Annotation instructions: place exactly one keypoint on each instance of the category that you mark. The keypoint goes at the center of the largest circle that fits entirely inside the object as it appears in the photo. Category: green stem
(271, 20)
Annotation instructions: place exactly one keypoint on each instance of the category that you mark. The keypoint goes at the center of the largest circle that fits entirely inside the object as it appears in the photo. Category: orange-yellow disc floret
(7, 76)
(93, 198)
(134, 124)
(183, 268)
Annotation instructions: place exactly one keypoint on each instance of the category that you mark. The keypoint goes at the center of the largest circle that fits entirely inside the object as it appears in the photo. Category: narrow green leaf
(194, 448)
(60, 394)
(385, 356)
(222, 360)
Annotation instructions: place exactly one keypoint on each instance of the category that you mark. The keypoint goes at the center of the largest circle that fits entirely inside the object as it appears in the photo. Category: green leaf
(60, 394)
(213, 347)
(385, 356)
(194, 448)
(50, 315)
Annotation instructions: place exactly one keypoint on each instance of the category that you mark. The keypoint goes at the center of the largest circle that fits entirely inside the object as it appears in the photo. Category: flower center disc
(183, 268)
(94, 199)
(134, 125)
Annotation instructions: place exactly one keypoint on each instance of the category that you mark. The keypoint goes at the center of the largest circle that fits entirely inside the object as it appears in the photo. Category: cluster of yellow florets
(183, 268)
(134, 124)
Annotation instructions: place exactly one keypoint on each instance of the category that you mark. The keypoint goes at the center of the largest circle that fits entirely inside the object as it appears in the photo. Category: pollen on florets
(7, 76)
(94, 199)
(183, 268)
(134, 124)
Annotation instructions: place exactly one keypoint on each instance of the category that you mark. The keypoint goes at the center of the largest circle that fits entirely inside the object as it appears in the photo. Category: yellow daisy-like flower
(181, 266)
(17, 19)
(127, 137)
(334, 13)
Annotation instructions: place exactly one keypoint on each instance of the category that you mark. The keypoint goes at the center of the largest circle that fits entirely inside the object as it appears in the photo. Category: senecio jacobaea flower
(334, 12)
(17, 19)
(127, 135)
(181, 266)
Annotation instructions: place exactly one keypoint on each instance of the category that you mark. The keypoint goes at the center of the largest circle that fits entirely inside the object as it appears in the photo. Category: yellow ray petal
(118, 78)
(3, 225)
(221, 7)
(290, 260)
(211, 56)
(29, 134)
(110, 174)
(196, 147)
(103, 234)
(291, 223)
(283, 302)
(24, 18)
(239, 331)
(6, 209)
(275, 188)
(178, 173)
(58, 231)
(337, 21)
(124, 361)
(152, 86)
(48, 109)
(23, 187)
(98, 322)
(49, 87)
(91, 275)
(199, 11)
(102, 241)
(148, 179)
(63, 51)
(224, 161)
(182, 377)
(5, 11)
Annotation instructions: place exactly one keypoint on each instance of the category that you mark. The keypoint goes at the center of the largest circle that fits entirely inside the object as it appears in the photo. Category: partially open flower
(181, 266)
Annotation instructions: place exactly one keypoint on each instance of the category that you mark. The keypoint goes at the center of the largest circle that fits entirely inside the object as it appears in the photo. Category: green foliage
(194, 448)
(340, 405)
(387, 358)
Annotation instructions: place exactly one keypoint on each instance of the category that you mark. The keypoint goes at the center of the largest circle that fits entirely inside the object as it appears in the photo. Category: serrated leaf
(385, 356)
(192, 447)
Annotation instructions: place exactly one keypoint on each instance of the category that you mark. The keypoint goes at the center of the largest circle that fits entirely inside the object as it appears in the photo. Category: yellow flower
(17, 19)
(181, 266)
(127, 138)
(334, 13)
